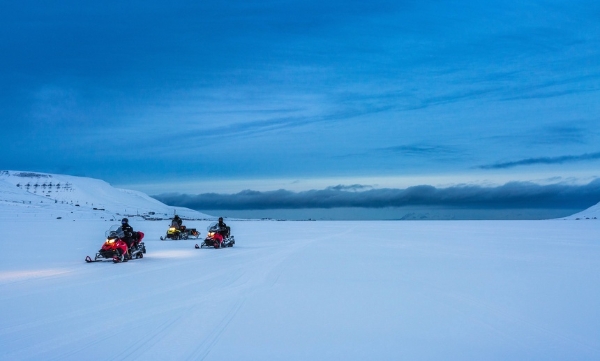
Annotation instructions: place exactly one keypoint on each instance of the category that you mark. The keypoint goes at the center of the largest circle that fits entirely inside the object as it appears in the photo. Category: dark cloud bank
(513, 195)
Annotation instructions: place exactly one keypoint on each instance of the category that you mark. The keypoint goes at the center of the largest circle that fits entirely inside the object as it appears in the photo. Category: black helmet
(124, 221)
(220, 219)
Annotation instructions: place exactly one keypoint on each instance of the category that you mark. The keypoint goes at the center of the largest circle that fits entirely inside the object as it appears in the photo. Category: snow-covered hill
(42, 195)
(591, 213)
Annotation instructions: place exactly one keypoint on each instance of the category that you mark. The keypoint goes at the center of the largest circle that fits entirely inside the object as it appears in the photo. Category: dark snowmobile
(176, 232)
(182, 233)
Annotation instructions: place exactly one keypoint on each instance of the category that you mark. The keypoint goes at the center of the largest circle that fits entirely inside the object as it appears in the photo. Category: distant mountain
(33, 194)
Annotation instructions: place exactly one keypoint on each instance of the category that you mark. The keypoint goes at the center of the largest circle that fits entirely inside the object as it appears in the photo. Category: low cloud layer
(510, 195)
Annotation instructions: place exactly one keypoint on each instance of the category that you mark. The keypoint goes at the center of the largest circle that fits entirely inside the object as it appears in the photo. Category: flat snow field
(397, 290)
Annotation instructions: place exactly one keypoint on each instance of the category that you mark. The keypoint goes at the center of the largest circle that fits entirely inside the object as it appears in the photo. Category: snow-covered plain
(393, 290)
(432, 290)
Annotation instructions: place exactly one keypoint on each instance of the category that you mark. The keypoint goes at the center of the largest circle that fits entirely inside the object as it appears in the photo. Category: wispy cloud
(424, 150)
(544, 160)
(565, 134)
(509, 195)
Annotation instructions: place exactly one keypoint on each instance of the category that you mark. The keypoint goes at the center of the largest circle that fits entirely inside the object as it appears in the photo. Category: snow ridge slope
(591, 213)
(35, 194)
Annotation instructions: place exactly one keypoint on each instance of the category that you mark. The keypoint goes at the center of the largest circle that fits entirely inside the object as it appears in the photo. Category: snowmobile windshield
(214, 227)
(115, 231)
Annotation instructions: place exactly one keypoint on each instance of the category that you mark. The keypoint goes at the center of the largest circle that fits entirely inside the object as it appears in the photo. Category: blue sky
(220, 97)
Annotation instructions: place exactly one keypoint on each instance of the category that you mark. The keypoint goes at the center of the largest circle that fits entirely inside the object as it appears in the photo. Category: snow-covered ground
(422, 290)
(395, 290)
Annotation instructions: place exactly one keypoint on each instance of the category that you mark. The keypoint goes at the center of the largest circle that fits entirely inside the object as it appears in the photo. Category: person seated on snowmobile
(130, 236)
(224, 229)
(177, 222)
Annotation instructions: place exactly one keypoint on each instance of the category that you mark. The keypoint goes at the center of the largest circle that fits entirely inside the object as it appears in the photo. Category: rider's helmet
(124, 221)
(220, 219)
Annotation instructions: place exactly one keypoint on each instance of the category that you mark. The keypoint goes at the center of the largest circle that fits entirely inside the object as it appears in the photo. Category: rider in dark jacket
(130, 235)
(224, 229)
(176, 222)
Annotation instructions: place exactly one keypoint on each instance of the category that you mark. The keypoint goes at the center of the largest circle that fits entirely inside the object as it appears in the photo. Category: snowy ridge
(42, 195)
(591, 213)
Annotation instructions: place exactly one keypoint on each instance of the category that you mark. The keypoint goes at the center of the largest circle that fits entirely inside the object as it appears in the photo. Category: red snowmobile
(217, 237)
(115, 248)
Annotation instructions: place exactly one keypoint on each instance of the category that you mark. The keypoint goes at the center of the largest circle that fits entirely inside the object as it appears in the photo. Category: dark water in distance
(396, 213)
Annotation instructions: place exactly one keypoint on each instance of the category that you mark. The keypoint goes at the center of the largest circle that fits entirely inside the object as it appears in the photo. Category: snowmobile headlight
(172, 229)
(210, 234)
(110, 240)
